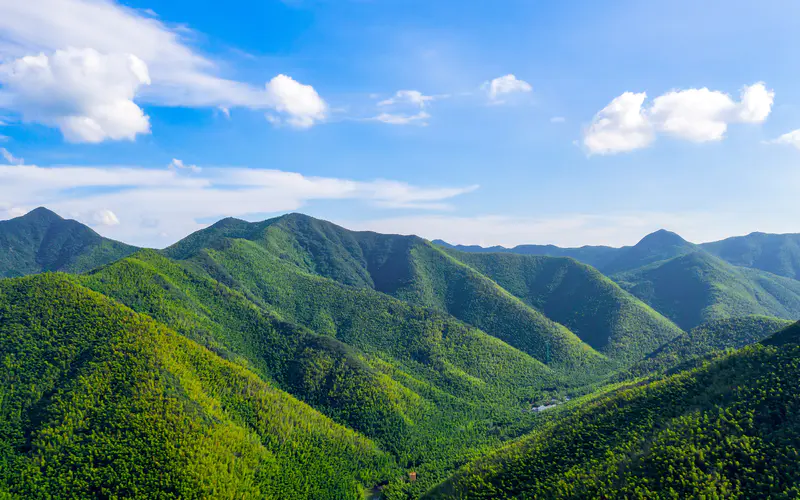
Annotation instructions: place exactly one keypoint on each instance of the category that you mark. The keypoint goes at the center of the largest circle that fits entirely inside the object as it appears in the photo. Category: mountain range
(293, 358)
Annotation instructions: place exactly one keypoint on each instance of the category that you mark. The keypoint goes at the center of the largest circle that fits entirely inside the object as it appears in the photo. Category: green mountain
(42, 241)
(775, 253)
(99, 401)
(592, 306)
(715, 335)
(727, 429)
(656, 247)
(595, 256)
(697, 287)
(789, 335)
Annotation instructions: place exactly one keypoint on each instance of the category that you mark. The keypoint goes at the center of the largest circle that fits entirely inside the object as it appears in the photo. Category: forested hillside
(727, 429)
(775, 253)
(42, 241)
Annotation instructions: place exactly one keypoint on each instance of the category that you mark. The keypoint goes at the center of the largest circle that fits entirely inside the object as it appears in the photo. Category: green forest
(293, 358)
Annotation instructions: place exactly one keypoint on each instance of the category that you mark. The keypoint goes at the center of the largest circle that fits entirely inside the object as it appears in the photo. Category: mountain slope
(595, 256)
(789, 335)
(100, 401)
(775, 253)
(728, 429)
(42, 241)
(592, 306)
(715, 335)
(698, 287)
(655, 247)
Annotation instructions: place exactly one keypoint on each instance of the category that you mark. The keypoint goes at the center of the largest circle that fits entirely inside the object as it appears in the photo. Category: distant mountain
(595, 256)
(776, 253)
(727, 429)
(656, 247)
(42, 241)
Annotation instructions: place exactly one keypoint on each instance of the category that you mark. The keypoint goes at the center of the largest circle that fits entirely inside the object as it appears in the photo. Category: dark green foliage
(96, 400)
(775, 253)
(728, 429)
(579, 297)
(698, 287)
(42, 241)
(715, 335)
(789, 335)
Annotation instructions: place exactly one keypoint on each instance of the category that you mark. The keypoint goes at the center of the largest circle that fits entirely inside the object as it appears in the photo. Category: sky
(504, 122)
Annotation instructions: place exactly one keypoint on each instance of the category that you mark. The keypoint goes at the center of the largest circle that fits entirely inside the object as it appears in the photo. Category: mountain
(595, 256)
(97, 400)
(715, 335)
(656, 247)
(789, 335)
(727, 429)
(42, 241)
(697, 287)
(775, 253)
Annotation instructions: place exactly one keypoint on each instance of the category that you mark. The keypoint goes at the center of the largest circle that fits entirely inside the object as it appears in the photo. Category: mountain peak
(662, 238)
(42, 213)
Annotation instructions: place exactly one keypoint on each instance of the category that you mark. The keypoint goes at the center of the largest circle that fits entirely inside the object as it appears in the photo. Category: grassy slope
(775, 253)
(715, 335)
(728, 429)
(698, 287)
(42, 241)
(579, 297)
(97, 400)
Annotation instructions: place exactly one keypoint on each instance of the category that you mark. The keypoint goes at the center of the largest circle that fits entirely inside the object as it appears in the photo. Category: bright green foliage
(728, 429)
(698, 287)
(579, 297)
(775, 253)
(715, 335)
(42, 241)
(96, 400)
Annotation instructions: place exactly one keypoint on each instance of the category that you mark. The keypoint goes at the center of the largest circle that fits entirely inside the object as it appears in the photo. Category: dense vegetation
(727, 429)
(775, 253)
(292, 358)
(97, 400)
(42, 241)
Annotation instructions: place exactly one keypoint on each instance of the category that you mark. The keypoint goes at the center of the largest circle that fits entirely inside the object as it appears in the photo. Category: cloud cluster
(85, 94)
(157, 206)
(697, 115)
(79, 65)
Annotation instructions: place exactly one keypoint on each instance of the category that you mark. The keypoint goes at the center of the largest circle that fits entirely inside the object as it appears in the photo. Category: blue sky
(516, 121)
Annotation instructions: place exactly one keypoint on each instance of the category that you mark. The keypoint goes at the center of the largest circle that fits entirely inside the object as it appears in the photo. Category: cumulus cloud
(177, 74)
(9, 158)
(507, 84)
(697, 115)
(620, 126)
(148, 202)
(301, 102)
(413, 97)
(400, 119)
(104, 217)
(87, 95)
(177, 164)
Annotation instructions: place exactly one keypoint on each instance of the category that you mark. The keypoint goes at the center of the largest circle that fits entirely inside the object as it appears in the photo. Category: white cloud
(179, 75)
(301, 102)
(791, 138)
(697, 115)
(87, 95)
(507, 84)
(104, 217)
(413, 97)
(177, 164)
(148, 202)
(557, 119)
(9, 158)
(620, 126)
(399, 119)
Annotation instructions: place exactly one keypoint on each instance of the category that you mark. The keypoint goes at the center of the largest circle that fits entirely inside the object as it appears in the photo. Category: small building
(412, 476)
